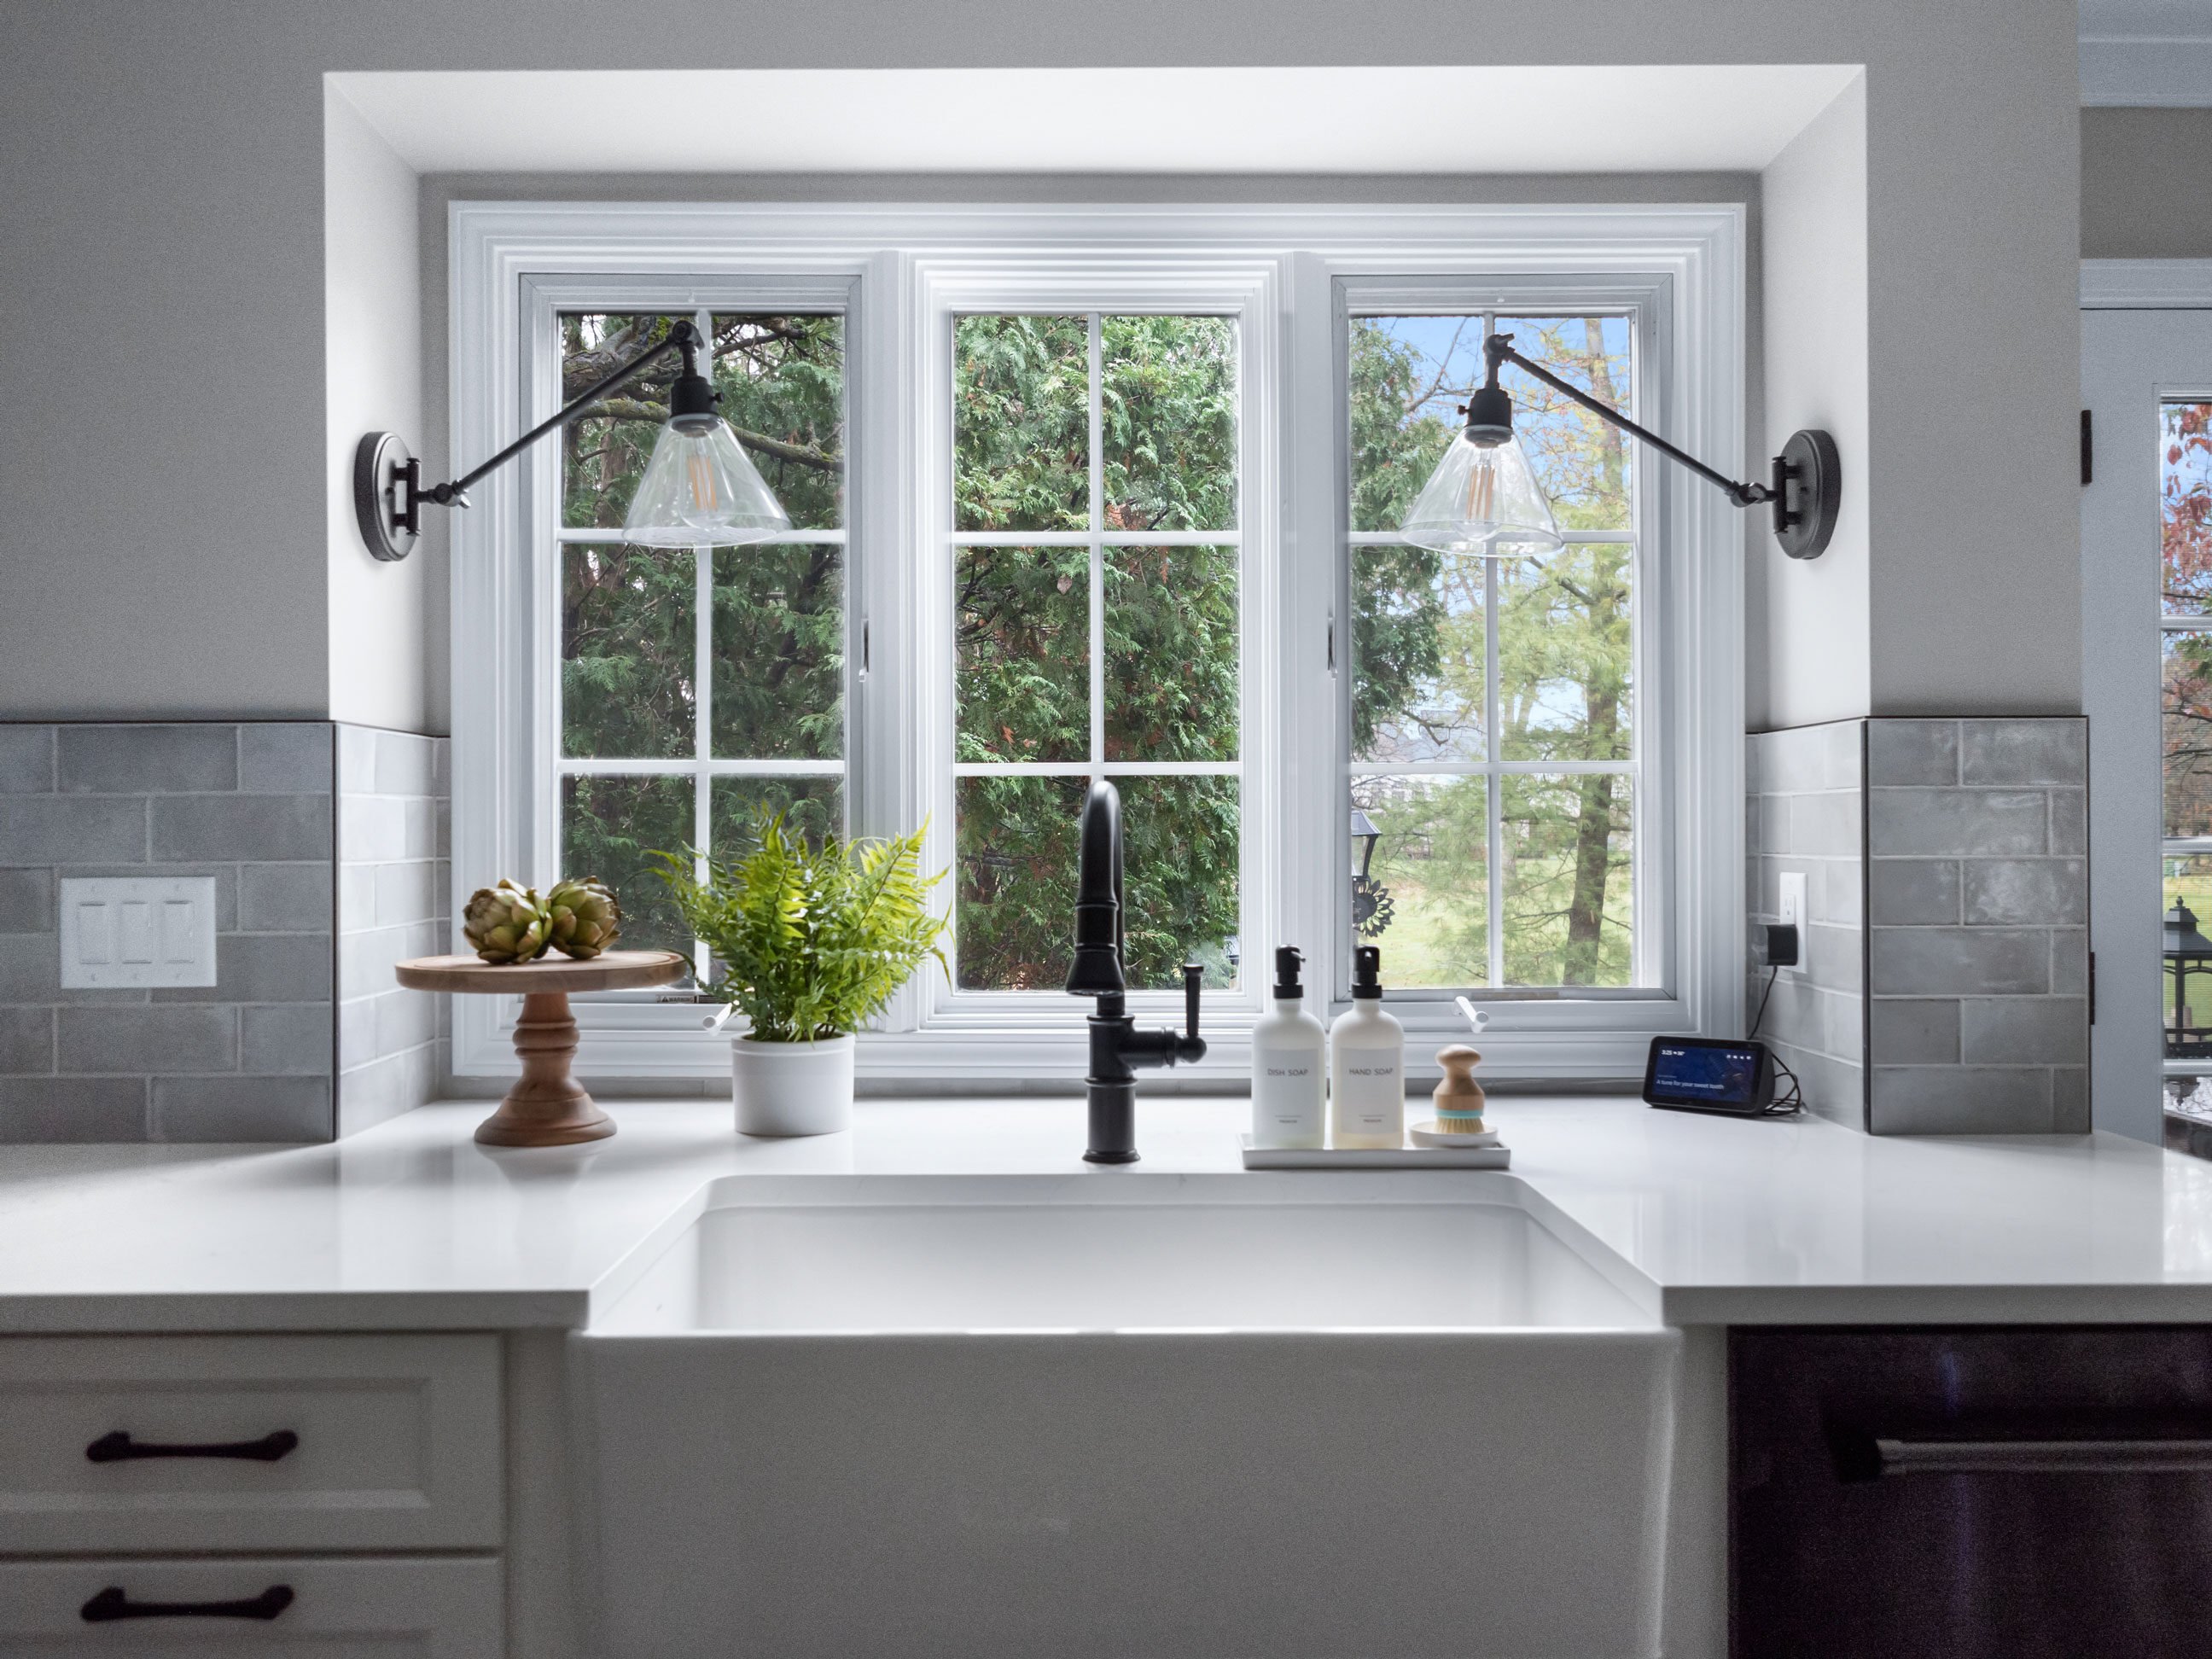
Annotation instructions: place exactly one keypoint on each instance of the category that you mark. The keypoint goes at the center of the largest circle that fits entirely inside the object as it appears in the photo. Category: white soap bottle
(1366, 1064)
(1288, 1065)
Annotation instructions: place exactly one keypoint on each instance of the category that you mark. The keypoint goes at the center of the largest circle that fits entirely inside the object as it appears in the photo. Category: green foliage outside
(810, 941)
(629, 615)
(1168, 681)
(1564, 654)
(1169, 684)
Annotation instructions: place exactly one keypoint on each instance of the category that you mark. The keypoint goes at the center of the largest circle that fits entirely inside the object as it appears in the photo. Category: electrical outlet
(1789, 905)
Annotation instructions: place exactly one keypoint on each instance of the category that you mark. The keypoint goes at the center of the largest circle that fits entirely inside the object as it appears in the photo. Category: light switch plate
(118, 931)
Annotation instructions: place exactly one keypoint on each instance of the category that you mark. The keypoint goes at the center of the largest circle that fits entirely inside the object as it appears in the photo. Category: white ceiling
(2147, 51)
(1494, 119)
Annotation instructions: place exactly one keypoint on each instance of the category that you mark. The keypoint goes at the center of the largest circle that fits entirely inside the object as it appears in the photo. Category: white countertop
(411, 1225)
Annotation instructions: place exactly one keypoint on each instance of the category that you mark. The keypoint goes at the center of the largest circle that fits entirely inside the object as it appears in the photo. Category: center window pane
(1098, 616)
(1473, 863)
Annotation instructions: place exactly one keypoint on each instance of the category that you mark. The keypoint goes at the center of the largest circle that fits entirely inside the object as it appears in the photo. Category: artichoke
(507, 923)
(582, 918)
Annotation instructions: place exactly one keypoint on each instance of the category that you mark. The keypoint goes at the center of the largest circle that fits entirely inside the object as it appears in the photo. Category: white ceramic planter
(792, 1088)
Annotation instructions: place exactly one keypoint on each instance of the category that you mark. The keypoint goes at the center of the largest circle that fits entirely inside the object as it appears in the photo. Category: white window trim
(1285, 268)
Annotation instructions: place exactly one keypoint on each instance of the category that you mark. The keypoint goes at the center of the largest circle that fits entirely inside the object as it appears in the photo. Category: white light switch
(124, 931)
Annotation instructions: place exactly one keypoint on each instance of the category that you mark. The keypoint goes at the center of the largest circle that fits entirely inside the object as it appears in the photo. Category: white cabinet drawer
(386, 1443)
(395, 1608)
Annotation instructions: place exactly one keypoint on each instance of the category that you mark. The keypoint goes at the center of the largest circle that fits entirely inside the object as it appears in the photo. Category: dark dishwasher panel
(1988, 1492)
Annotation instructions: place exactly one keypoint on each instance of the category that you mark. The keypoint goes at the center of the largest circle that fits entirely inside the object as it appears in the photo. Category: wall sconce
(1483, 498)
(700, 489)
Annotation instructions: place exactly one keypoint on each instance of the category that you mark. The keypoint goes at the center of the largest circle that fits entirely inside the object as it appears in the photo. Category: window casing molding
(1288, 274)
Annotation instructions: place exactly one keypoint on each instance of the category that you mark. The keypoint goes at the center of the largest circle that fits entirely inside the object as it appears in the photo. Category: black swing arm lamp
(1483, 496)
(698, 489)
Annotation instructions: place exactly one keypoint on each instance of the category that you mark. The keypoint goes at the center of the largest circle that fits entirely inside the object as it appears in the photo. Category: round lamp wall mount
(1483, 498)
(700, 488)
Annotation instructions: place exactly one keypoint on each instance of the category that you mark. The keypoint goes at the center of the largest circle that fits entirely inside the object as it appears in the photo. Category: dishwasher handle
(1877, 1457)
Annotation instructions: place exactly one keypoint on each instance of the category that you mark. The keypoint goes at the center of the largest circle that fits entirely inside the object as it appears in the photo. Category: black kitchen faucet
(1117, 1047)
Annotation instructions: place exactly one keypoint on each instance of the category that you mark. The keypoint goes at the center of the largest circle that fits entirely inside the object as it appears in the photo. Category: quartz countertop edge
(1705, 1220)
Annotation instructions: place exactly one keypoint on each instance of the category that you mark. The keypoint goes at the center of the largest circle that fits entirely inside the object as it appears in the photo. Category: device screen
(1722, 1074)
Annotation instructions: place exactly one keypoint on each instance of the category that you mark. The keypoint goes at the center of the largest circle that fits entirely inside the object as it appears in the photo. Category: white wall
(165, 522)
(1811, 658)
(378, 614)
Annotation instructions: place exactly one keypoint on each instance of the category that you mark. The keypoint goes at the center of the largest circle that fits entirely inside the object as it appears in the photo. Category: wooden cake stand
(547, 1107)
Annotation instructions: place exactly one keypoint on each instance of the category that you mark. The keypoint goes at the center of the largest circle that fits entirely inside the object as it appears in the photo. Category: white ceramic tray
(1377, 1158)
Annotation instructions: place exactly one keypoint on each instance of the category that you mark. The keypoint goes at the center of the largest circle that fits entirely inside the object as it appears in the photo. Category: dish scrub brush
(1459, 1102)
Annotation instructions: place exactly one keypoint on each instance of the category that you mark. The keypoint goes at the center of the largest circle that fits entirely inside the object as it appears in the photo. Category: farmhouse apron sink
(1127, 1414)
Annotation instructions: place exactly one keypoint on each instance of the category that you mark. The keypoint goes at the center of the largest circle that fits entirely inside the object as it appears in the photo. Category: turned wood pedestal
(547, 1107)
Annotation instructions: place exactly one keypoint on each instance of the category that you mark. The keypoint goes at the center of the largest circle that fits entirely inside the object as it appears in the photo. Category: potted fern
(810, 944)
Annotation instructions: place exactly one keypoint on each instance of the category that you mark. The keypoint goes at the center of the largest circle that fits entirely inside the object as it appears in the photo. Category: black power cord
(1791, 1102)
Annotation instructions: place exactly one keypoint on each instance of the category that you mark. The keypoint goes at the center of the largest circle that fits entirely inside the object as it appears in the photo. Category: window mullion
(1096, 377)
(703, 716)
(1494, 805)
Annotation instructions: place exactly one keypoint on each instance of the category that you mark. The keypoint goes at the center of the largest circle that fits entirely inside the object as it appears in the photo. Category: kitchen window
(1492, 754)
(1112, 493)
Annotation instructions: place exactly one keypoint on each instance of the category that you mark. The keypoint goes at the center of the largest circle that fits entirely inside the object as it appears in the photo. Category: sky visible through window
(1492, 767)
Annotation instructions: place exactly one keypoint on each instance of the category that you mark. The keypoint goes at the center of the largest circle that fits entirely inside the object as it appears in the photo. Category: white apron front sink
(1130, 1415)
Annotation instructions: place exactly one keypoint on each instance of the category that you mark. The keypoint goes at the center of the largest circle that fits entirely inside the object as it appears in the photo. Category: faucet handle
(1191, 1047)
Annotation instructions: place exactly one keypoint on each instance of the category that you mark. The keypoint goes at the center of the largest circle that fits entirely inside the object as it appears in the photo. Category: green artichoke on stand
(583, 918)
(507, 923)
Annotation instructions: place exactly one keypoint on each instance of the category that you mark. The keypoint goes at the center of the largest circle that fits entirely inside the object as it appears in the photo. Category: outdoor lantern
(1483, 498)
(2187, 951)
(700, 489)
(1372, 907)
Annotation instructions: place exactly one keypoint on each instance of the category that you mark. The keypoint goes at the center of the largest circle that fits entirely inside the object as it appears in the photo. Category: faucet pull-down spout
(1099, 970)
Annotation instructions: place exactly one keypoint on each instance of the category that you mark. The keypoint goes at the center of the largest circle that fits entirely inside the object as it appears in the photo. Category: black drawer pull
(1895, 1457)
(118, 1447)
(113, 1603)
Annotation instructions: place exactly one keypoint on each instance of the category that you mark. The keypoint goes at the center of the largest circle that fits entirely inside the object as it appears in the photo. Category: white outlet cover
(120, 932)
(1790, 906)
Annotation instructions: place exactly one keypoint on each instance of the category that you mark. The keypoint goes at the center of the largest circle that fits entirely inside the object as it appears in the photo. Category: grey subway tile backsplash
(393, 904)
(2070, 821)
(1934, 961)
(1913, 892)
(2046, 751)
(291, 1040)
(146, 760)
(1960, 1100)
(1913, 752)
(1928, 822)
(258, 806)
(272, 828)
(149, 1039)
(51, 830)
(26, 1042)
(208, 1108)
(107, 1109)
(1914, 1031)
(26, 900)
(1967, 968)
(1806, 819)
(288, 759)
(285, 898)
(27, 760)
(2003, 892)
(2016, 1030)
(1978, 953)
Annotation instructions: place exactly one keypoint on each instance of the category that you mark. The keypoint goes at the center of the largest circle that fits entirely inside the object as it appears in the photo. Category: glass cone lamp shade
(1482, 500)
(700, 489)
